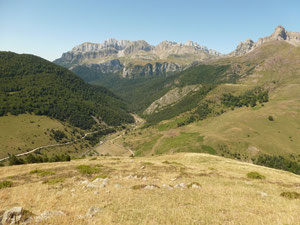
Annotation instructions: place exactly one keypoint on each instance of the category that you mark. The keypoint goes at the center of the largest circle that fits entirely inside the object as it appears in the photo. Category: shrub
(94, 158)
(13, 160)
(290, 195)
(255, 175)
(271, 118)
(102, 176)
(58, 135)
(278, 162)
(55, 180)
(42, 173)
(86, 169)
(6, 184)
(60, 158)
(147, 163)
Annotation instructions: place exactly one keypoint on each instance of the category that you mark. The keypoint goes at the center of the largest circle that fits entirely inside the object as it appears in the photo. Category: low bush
(255, 175)
(271, 118)
(290, 195)
(55, 180)
(87, 170)
(42, 173)
(278, 162)
(6, 184)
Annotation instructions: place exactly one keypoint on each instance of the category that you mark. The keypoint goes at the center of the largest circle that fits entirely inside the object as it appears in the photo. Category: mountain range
(131, 130)
(235, 101)
(132, 59)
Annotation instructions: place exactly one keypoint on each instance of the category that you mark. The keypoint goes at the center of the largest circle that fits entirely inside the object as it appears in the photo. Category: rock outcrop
(16, 215)
(149, 69)
(280, 34)
(170, 98)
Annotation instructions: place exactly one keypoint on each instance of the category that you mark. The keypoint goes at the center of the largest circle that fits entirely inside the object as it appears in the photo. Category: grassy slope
(245, 130)
(226, 195)
(26, 132)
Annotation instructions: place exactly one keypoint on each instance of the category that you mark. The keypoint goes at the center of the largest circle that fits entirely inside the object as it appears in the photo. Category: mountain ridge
(132, 59)
(279, 34)
(135, 57)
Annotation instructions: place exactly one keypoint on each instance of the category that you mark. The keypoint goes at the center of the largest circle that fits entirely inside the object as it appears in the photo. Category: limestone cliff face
(136, 58)
(171, 97)
(112, 66)
(156, 69)
(280, 34)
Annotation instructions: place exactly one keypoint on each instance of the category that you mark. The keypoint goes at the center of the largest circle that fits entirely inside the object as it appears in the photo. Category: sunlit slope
(22, 133)
(175, 189)
(269, 128)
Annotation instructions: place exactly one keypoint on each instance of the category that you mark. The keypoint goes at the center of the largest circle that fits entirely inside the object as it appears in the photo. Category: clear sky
(48, 28)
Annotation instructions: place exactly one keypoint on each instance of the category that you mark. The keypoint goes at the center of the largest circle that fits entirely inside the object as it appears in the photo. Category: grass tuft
(290, 195)
(6, 184)
(255, 175)
(42, 173)
(147, 163)
(55, 180)
(94, 158)
(87, 170)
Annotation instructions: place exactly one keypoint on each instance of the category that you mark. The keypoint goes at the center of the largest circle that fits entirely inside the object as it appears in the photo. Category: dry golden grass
(226, 195)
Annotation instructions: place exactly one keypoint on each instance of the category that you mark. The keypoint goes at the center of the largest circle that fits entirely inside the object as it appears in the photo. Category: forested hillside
(29, 84)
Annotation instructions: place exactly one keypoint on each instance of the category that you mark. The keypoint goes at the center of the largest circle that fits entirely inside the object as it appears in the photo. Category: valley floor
(185, 188)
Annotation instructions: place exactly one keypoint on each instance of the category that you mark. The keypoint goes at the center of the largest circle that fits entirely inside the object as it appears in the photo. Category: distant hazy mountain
(133, 58)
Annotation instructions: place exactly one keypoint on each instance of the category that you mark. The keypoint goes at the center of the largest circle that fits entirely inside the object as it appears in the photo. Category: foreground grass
(225, 195)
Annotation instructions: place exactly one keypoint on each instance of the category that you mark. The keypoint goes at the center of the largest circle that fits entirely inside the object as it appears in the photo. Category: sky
(48, 28)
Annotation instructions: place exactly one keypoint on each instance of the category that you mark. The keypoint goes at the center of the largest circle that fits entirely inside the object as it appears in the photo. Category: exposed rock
(133, 58)
(118, 186)
(181, 186)
(112, 66)
(12, 216)
(195, 185)
(167, 186)
(131, 177)
(156, 69)
(244, 47)
(93, 211)
(48, 214)
(171, 97)
(97, 183)
(16, 215)
(280, 34)
(151, 186)
(263, 194)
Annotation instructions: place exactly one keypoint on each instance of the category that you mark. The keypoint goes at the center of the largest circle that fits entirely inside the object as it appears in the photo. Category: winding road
(139, 121)
(48, 146)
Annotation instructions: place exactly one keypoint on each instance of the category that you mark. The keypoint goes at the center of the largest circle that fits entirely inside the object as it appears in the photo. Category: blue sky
(48, 28)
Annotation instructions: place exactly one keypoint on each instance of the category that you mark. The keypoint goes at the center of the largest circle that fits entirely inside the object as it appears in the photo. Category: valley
(125, 132)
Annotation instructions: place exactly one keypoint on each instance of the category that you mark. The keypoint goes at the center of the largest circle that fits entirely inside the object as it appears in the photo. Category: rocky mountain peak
(133, 50)
(279, 34)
